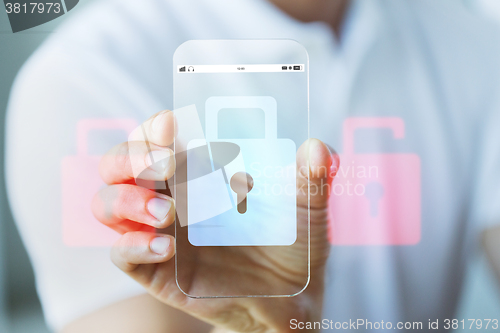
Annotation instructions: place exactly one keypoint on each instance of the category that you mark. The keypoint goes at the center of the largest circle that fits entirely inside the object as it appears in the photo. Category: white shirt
(429, 62)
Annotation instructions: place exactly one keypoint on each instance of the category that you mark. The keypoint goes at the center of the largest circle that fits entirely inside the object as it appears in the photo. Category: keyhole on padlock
(374, 191)
(241, 183)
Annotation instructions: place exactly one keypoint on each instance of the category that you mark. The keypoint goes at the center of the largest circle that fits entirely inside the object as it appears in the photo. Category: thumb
(316, 166)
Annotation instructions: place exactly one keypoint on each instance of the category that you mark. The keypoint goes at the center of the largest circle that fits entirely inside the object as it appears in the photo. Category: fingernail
(159, 122)
(159, 208)
(158, 160)
(159, 245)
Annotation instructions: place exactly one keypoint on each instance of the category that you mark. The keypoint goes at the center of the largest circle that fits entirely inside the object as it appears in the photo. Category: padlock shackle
(84, 126)
(216, 103)
(352, 124)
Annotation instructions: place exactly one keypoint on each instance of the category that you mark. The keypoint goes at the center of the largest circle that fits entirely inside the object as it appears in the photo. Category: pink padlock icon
(375, 198)
(80, 182)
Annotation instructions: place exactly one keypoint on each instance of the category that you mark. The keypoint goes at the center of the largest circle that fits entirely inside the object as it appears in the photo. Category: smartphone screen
(242, 111)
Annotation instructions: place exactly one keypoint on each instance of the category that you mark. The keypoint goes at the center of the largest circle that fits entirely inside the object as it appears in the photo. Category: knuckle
(119, 255)
(122, 197)
(123, 250)
(119, 198)
(96, 205)
(116, 161)
(122, 247)
(113, 200)
(122, 159)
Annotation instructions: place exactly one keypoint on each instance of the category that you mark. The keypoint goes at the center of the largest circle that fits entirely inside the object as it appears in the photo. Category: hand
(145, 254)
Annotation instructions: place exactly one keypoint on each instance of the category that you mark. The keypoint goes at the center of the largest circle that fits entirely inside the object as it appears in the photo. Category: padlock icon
(80, 182)
(375, 199)
(222, 212)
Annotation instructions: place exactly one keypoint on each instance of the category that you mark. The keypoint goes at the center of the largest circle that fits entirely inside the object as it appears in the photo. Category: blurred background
(20, 309)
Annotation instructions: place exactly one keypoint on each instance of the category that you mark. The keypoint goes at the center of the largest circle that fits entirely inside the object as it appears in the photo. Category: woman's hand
(145, 254)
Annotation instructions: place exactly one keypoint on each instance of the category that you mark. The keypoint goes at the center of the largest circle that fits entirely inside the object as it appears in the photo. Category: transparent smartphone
(241, 109)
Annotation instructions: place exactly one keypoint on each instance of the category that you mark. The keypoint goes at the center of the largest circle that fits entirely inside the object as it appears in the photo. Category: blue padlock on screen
(250, 198)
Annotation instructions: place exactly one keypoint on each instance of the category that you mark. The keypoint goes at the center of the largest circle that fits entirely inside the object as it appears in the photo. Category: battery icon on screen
(296, 68)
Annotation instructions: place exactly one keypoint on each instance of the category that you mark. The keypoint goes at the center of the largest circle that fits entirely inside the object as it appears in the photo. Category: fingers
(316, 166)
(127, 161)
(145, 155)
(138, 247)
(128, 207)
(159, 129)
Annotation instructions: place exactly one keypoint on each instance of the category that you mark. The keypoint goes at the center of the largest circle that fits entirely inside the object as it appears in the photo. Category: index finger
(159, 129)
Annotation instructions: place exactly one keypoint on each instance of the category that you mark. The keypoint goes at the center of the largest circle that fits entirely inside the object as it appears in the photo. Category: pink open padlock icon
(375, 198)
(80, 182)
